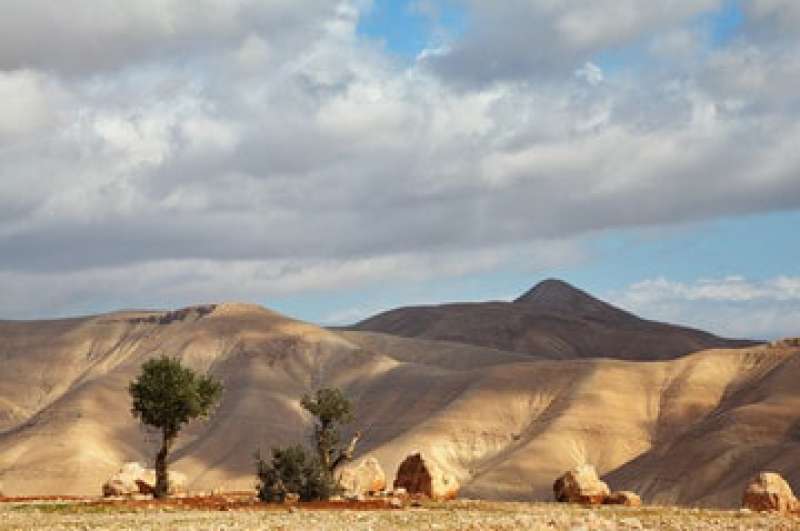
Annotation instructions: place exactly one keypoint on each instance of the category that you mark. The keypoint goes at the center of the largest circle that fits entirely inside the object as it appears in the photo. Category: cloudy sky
(330, 159)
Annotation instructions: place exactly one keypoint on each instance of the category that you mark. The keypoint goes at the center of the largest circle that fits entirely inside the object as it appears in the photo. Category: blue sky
(335, 159)
(405, 28)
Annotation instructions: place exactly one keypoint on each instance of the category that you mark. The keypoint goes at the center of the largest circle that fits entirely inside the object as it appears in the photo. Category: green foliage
(331, 409)
(293, 470)
(166, 395)
(329, 405)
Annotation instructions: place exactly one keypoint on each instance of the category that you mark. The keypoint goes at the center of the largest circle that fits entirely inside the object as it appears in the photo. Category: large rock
(420, 476)
(769, 492)
(132, 478)
(366, 477)
(581, 485)
(624, 497)
(123, 482)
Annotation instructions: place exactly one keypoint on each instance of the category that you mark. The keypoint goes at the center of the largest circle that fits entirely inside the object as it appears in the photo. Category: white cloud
(348, 316)
(236, 139)
(591, 73)
(84, 36)
(733, 306)
(173, 283)
(27, 104)
(535, 39)
(777, 14)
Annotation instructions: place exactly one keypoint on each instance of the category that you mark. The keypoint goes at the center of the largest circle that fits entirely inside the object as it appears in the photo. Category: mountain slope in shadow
(553, 319)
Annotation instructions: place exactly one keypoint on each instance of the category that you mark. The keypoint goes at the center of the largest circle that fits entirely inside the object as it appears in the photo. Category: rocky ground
(461, 515)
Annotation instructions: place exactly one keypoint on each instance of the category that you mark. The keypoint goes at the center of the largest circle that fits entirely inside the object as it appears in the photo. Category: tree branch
(346, 454)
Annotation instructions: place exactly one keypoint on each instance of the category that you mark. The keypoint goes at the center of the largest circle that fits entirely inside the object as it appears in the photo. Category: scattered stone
(581, 485)
(132, 478)
(366, 477)
(123, 482)
(420, 476)
(624, 497)
(396, 503)
(769, 492)
(631, 523)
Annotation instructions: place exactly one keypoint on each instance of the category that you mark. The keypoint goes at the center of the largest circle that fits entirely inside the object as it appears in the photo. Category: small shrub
(293, 469)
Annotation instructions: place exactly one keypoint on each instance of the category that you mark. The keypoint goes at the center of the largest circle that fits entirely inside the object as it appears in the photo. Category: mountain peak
(551, 290)
(557, 296)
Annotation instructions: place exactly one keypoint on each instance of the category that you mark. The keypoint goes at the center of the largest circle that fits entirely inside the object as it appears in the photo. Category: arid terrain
(690, 430)
(463, 515)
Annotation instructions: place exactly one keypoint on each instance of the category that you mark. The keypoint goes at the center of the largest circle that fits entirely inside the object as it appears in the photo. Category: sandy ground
(461, 515)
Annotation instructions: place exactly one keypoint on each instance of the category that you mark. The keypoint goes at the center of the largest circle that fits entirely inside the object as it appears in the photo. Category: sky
(333, 159)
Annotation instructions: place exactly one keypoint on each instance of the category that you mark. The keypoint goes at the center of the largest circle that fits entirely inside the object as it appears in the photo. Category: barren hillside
(689, 430)
(553, 319)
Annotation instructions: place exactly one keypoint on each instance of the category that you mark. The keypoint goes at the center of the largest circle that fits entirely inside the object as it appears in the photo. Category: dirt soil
(243, 512)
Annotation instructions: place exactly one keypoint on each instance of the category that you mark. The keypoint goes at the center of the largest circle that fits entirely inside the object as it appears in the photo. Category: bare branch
(346, 454)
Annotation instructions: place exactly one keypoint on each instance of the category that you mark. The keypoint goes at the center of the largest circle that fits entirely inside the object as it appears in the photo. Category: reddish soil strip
(11, 499)
(222, 502)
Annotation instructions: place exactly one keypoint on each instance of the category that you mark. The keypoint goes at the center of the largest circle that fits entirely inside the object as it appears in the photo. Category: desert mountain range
(505, 396)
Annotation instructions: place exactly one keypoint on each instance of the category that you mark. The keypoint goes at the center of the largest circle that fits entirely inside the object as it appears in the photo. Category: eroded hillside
(689, 430)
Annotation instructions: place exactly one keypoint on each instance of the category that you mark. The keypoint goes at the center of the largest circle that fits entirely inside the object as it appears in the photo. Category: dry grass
(461, 515)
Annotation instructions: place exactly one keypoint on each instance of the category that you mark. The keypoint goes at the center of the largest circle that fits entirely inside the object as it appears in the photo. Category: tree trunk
(162, 476)
(346, 454)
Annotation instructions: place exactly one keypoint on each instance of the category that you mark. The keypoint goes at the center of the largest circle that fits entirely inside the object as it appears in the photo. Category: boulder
(124, 481)
(769, 492)
(132, 478)
(624, 497)
(581, 485)
(422, 477)
(367, 477)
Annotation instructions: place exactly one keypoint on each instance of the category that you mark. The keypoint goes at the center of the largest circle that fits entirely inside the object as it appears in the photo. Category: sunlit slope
(84, 429)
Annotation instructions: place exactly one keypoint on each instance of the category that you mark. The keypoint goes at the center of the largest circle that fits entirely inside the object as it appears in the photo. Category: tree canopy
(331, 408)
(166, 395)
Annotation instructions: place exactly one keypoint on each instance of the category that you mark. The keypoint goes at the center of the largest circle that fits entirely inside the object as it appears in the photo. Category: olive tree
(331, 409)
(310, 474)
(167, 395)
